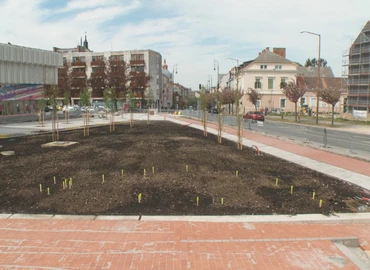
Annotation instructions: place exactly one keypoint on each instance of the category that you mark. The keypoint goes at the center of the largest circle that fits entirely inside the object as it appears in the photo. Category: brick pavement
(106, 244)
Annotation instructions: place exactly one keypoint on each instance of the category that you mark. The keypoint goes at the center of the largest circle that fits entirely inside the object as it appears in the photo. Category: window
(283, 80)
(75, 59)
(258, 84)
(278, 66)
(258, 103)
(97, 58)
(282, 103)
(137, 56)
(271, 83)
(82, 59)
(263, 66)
(303, 100)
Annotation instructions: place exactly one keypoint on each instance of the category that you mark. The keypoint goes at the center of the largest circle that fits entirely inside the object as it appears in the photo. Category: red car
(255, 116)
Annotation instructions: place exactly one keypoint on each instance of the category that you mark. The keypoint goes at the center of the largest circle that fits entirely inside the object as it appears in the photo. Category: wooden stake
(144, 172)
(48, 191)
(222, 200)
(291, 189)
(277, 181)
(153, 169)
(55, 181)
(197, 201)
(102, 176)
(122, 173)
(320, 204)
(40, 187)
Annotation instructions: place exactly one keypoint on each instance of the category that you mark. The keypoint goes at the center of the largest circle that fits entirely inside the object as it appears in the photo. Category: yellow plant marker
(40, 187)
(48, 191)
(122, 173)
(153, 169)
(139, 198)
(197, 201)
(144, 172)
(291, 189)
(102, 176)
(187, 168)
(237, 173)
(55, 180)
(313, 195)
(277, 181)
(70, 184)
(222, 200)
(320, 205)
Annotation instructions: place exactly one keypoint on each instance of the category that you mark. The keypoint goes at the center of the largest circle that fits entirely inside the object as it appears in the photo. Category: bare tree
(52, 92)
(331, 96)
(253, 97)
(85, 97)
(294, 91)
(99, 78)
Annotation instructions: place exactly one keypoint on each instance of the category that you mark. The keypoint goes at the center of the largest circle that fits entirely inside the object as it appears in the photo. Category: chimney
(268, 49)
(280, 51)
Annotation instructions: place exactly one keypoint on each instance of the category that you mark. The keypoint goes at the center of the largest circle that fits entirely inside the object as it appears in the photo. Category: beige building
(83, 61)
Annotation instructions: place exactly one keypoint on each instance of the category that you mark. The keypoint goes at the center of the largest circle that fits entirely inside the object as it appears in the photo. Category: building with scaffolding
(356, 71)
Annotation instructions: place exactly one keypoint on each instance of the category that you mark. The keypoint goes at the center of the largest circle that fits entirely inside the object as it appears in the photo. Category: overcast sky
(189, 33)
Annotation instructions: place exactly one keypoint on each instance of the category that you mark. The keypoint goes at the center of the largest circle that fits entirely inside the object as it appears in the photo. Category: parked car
(255, 116)
(213, 111)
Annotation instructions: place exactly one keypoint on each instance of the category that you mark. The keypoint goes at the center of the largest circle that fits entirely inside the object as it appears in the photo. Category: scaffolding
(356, 71)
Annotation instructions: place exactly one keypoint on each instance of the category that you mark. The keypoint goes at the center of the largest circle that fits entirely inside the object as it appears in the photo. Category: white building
(82, 58)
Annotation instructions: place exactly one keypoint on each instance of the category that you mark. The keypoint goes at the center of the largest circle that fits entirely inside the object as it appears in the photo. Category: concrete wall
(21, 65)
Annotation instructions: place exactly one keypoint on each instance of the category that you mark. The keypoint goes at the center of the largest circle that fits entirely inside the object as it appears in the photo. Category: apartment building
(84, 62)
(357, 64)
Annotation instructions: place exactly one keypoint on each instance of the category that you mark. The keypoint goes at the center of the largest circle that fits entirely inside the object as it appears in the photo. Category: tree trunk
(295, 110)
(332, 114)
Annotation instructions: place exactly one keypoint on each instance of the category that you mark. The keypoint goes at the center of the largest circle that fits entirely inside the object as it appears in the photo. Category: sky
(190, 34)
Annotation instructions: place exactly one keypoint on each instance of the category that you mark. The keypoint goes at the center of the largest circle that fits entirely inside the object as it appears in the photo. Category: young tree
(118, 77)
(253, 97)
(294, 91)
(138, 83)
(52, 92)
(85, 98)
(331, 96)
(99, 78)
(65, 79)
(228, 96)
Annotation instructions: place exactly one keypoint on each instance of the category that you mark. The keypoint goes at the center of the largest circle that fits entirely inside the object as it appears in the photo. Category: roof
(325, 83)
(312, 72)
(270, 57)
(362, 37)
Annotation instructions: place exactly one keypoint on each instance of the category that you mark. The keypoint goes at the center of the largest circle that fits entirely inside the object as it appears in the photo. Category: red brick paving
(99, 244)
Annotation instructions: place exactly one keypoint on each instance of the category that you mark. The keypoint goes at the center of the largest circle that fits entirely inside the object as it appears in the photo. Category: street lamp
(173, 81)
(216, 64)
(318, 74)
(236, 72)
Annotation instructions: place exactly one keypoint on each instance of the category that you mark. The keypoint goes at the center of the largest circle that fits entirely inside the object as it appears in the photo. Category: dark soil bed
(171, 190)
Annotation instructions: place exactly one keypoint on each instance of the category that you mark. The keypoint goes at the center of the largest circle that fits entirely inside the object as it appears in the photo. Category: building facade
(357, 65)
(84, 62)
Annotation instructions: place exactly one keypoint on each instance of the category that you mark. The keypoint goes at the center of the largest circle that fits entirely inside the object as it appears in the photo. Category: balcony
(116, 62)
(137, 62)
(78, 74)
(78, 64)
(98, 63)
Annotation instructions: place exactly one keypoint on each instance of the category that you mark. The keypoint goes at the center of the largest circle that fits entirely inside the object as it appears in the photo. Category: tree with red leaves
(331, 96)
(294, 91)
(65, 80)
(138, 84)
(99, 79)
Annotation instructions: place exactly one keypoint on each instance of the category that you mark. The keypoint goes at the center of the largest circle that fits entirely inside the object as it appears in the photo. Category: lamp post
(216, 64)
(318, 74)
(237, 78)
(174, 68)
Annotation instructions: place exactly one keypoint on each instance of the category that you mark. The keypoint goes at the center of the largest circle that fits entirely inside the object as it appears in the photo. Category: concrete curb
(342, 218)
